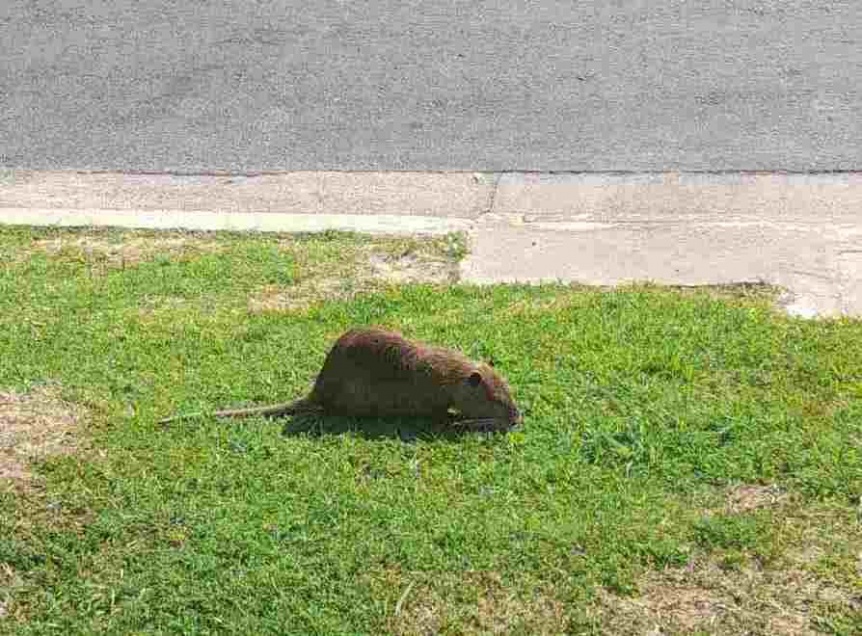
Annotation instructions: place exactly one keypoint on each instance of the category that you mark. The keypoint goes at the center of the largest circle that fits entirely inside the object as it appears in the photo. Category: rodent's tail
(302, 405)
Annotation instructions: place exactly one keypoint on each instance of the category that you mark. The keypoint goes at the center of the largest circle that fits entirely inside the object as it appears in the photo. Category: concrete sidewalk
(800, 231)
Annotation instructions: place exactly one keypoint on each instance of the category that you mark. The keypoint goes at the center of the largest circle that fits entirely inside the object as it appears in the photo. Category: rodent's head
(484, 395)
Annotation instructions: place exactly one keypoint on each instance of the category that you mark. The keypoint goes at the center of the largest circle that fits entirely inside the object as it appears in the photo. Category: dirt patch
(118, 251)
(33, 426)
(411, 268)
(473, 603)
(707, 598)
(748, 497)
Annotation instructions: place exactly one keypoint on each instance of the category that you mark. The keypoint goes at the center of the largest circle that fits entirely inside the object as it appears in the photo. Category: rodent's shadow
(403, 428)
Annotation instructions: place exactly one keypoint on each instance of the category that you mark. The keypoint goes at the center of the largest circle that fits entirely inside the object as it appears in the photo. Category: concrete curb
(433, 194)
(799, 231)
(382, 224)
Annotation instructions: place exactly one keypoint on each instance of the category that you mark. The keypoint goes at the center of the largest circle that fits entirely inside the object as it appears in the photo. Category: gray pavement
(800, 232)
(183, 85)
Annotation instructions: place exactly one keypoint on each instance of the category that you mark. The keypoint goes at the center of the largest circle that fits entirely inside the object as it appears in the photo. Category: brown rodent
(373, 372)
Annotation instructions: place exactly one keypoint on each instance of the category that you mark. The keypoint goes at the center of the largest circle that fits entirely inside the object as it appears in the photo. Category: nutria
(372, 372)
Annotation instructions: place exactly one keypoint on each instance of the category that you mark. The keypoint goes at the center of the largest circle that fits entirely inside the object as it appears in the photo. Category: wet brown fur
(374, 372)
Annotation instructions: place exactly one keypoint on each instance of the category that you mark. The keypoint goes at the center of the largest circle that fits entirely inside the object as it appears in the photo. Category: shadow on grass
(404, 428)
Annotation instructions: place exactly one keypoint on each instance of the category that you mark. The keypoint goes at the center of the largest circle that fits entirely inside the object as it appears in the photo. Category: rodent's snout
(515, 417)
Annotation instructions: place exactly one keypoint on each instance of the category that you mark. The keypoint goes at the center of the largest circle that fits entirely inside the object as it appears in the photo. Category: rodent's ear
(490, 362)
(475, 379)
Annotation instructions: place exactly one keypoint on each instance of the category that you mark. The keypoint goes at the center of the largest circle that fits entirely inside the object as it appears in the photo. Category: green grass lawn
(690, 460)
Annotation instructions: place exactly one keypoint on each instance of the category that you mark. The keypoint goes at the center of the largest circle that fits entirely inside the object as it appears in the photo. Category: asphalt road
(246, 85)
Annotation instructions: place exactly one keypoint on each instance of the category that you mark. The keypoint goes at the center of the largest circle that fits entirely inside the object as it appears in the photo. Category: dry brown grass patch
(472, 603)
(733, 291)
(790, 593)
(734, 593)
(364, 268)
(33, 426)
(748, 497)
(276, 298)
(411, 267)
(9, 580)
(705, 597)
(118, 251)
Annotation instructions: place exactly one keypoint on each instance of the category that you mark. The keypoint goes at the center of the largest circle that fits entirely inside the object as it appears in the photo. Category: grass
(690, 460)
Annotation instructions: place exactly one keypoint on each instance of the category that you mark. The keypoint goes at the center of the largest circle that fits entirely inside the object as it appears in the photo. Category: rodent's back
(389, 352)
(376, 372)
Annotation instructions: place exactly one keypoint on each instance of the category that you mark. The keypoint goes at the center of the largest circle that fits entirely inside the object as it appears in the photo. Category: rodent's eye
(475, 379)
